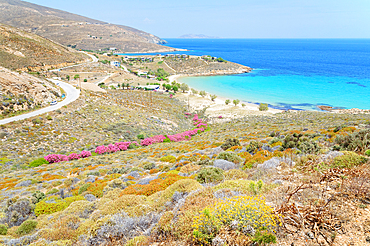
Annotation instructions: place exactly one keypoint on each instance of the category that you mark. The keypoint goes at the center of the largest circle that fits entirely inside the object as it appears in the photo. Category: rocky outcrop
(21, 91)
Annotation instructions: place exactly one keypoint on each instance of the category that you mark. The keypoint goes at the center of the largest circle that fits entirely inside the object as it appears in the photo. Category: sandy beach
(218, 107)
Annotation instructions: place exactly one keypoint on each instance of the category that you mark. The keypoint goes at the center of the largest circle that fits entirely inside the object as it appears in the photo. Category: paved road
(94, 59)
(71, 95)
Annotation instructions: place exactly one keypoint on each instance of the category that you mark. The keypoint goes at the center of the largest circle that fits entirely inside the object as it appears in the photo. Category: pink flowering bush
(101, 149)
(220, 117)
(123, 145)
(113, 148)
(201, 125)
(53, 158)
(73, 156)
(85, 154)
(153, 140)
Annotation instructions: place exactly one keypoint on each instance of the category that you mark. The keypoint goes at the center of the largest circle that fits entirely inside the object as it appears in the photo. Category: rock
(224, 165)
(90, 179)
(146, 181)
(25, 183)
(90, 197)
(273, 163)
(134, 174)
(216, 151)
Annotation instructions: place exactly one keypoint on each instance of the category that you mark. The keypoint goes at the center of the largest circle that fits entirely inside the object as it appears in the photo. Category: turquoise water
(288, 73)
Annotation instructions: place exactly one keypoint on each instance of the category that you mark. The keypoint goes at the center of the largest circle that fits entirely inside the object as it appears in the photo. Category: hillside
(76, 31)
(23, 92)
(21, 50)
(109, 178)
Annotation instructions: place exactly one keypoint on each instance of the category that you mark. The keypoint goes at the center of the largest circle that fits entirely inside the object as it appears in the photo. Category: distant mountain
(76, 31)
(196, 36)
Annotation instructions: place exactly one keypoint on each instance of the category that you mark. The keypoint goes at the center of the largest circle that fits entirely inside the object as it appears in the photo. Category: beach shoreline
(218, 107)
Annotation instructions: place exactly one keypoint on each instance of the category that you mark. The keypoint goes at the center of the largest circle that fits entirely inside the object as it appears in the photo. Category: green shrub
(244, 210)
(57, 204)
(253, 146)
(38, 162)
(49, 117)
(357, 141)
(367, 152)
(263, 107)
(348, 160)
(301, 142)
(148, 166)
(168, 158)
(229, 156)
(37, 121)
(38, 196)
(210, 175)
(205, 162)
(53, 191)
(3, 229)
(264, 238)
(227, 102)
(230, 142)
(140, 136)
(83, 188)
(26, 227)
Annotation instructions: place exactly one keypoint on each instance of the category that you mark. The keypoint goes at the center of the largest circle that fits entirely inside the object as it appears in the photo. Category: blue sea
(288, 73)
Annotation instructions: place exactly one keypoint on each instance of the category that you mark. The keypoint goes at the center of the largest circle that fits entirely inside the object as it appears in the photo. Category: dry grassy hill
(22, 50)
(74, 30)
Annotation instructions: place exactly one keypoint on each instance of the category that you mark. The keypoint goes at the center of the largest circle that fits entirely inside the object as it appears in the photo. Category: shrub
(168, 158)
(229, 156)
(137, 241)
(263, 107)
(348, 160)
(253, 146)
(26, 227)
(140, 136)
(236, 102)
(357, 141)
(83, 188)
(38, 162)
(242, 213)
(227, 102)
(210, 175)
(54, 204)
(264, 238)
(3, 229)
(38, 196)
(301, 142)
(235, 174)
(367, 152)
(230, 142)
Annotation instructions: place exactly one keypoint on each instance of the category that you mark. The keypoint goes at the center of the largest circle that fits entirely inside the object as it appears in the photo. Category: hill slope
(22, 50)
(74, 30)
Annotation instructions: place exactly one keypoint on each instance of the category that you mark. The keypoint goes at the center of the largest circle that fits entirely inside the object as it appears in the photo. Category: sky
(230, 18)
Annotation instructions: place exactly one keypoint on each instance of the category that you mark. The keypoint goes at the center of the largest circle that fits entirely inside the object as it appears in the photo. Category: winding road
(71, 95)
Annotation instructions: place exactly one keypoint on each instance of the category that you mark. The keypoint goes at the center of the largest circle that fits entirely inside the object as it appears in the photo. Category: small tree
(164, 86)
(263, 107)
(243, 105)
(213, 97)
(194, 91)
(168, 87)
(227, 101)
(184, 87)
(118, 85)
(85, 80)
(68, 78)
(236, 101)
(202, 93)
(77, 76)
(127, 85)
(175, 88)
